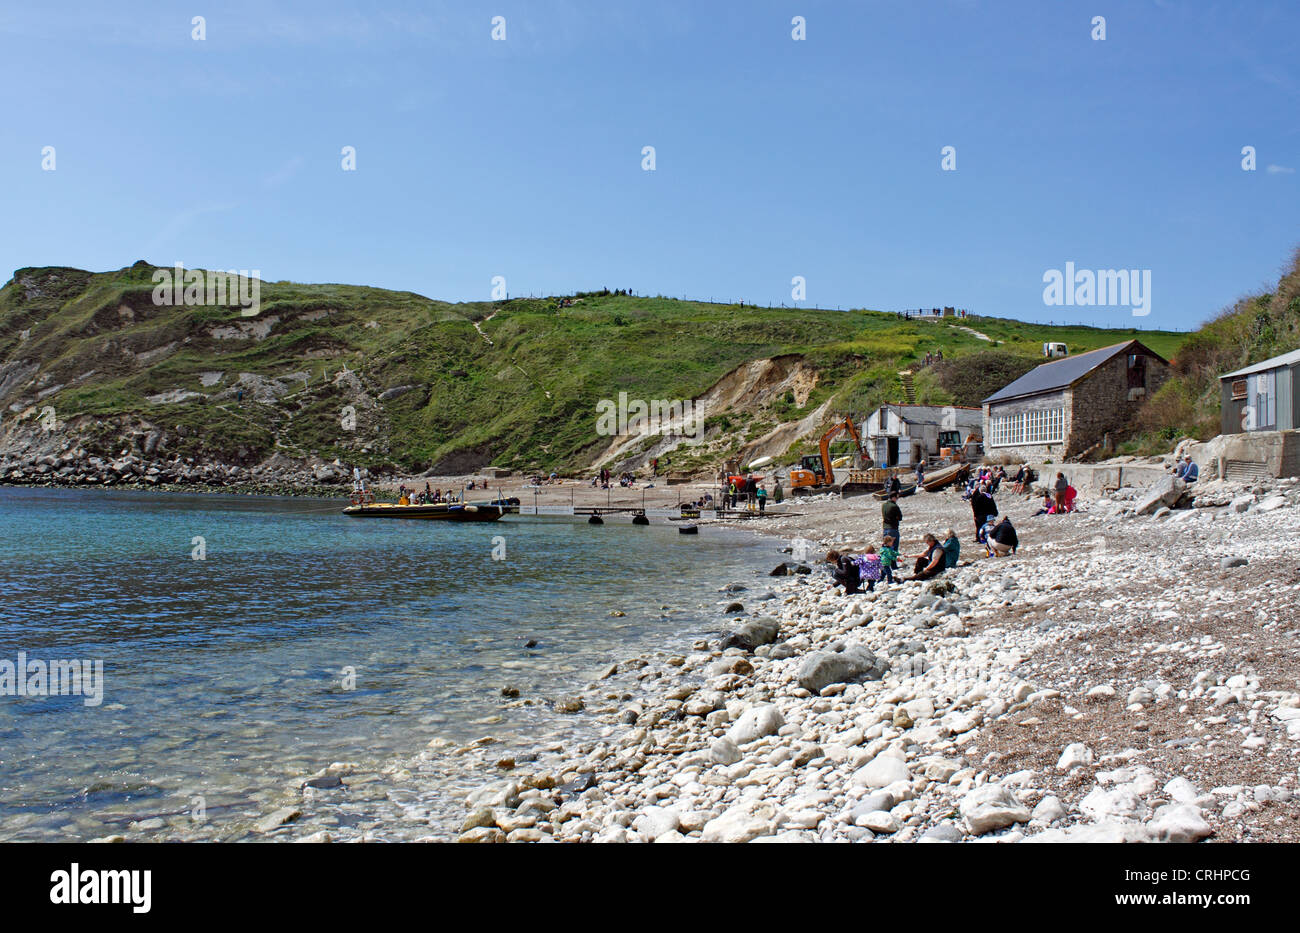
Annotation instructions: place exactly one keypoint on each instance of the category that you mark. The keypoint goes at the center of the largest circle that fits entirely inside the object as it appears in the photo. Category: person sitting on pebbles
(932, 562)
(951, 547)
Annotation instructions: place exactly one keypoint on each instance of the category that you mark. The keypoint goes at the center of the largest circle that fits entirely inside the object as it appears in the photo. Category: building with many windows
(1062, 408)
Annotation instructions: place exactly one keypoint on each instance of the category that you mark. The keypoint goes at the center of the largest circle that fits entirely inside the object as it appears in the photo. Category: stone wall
(1100, 402)
(1238, 456)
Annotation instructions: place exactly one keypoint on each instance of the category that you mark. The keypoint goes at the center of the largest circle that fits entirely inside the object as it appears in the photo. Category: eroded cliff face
(747, 394)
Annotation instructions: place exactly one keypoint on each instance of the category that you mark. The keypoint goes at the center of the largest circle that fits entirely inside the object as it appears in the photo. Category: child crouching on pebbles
(844, 572)
(852, 571)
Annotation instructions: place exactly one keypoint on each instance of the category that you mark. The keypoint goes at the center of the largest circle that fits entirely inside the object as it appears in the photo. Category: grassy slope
(1256, 328)
(474, 402)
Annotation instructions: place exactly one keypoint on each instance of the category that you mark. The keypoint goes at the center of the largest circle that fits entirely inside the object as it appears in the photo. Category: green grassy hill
(426, 388)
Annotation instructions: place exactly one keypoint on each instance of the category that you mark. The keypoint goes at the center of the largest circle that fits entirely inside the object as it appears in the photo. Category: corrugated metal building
(1261, 397)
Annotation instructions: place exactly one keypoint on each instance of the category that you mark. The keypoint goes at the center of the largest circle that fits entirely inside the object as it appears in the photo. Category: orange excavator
(815, 473)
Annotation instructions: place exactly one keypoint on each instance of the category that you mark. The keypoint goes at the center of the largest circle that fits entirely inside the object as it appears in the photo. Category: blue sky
(774, 157)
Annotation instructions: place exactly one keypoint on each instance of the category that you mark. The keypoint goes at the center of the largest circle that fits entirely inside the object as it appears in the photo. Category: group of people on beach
(752, 489)
(604, 478)
(856, 572)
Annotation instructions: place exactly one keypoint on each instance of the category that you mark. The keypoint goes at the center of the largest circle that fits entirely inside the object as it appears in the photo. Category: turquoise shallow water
(226, 676)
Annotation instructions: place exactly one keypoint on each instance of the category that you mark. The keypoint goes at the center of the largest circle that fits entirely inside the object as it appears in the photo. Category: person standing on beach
(778, 494)
(1059, 488)
(888, 558)
(761, 494)
(982, 506)
(892, 518)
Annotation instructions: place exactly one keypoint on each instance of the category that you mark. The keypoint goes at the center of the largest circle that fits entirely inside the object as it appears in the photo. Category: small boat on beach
(946, 477)
(440, 511)
(903, 491)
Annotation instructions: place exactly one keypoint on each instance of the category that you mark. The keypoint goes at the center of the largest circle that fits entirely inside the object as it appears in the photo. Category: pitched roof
(933, 414)
(1065, 372)
(1286, 359)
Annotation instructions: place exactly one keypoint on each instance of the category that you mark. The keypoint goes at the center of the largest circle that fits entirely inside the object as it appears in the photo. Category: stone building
(1062, 408)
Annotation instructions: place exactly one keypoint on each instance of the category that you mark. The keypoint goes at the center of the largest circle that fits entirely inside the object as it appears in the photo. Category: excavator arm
(847, 426)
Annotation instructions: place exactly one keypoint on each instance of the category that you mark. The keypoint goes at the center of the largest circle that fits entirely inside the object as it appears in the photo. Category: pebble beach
(1123, 677)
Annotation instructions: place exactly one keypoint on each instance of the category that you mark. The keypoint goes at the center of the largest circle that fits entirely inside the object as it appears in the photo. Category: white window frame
(1028, 426)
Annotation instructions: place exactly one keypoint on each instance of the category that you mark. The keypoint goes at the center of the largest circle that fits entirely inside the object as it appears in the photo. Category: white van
(1054, 350)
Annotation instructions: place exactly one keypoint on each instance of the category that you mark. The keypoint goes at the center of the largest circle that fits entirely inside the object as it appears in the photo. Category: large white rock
(1119, 802)
(920, 708)
(744, 821)
(1049, 809)
(1166, 491)
(1108, 831)
(823, 668)
(724, 751)
(1179, 822)
(755, 723)
(496, 794)
(878, 821)
(1074, 755)
(991, 807)
(881, 771)
(1182, 790)
(1271, 503)
(653, 822)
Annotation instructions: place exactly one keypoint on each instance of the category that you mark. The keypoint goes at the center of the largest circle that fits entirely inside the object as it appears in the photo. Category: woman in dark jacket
(983, 506)
(1003, 539)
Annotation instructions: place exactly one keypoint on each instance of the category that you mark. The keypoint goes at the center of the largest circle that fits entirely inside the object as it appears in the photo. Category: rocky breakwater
(1110, 682)
(76, 467)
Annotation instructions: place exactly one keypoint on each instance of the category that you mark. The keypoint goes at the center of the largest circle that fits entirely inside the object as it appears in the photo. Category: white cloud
(1280, 170)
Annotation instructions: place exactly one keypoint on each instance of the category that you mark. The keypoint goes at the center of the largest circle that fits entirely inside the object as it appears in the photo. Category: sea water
(248, 641)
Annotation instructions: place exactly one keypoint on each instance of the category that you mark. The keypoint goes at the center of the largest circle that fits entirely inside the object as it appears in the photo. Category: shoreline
(419, 773)
(972, 708)
(981, 719)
